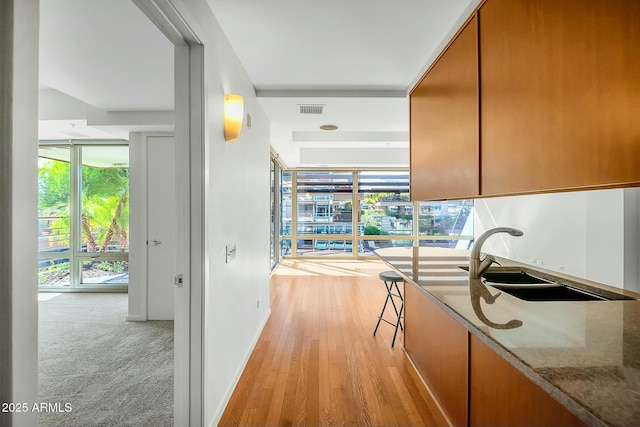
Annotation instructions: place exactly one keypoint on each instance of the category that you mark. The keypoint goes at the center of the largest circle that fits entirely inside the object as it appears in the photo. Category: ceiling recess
(311, 108)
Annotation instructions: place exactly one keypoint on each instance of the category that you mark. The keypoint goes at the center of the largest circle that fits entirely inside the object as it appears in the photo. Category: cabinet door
(500, 395)
(444, 123)
(438, 347)
(560, 94)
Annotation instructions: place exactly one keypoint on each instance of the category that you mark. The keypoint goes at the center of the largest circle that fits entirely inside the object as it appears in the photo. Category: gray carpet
(111, 372)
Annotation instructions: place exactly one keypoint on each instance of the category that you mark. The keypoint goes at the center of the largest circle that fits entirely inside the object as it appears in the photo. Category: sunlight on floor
(45, 296)
(298, 267)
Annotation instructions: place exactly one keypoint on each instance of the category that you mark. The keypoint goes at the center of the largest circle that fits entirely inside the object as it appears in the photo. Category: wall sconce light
(233, 115)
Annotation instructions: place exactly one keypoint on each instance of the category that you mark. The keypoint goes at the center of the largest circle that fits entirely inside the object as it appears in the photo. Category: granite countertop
(585, 354)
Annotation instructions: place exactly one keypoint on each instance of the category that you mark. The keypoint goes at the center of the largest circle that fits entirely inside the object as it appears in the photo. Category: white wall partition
(18, 208)
(236, 212)
(632, 239)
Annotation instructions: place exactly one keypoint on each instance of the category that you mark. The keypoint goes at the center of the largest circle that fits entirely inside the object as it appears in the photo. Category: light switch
(231, 252)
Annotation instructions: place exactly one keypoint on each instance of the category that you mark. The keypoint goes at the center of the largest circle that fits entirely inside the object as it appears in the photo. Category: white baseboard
(227, 396)
(135, 318)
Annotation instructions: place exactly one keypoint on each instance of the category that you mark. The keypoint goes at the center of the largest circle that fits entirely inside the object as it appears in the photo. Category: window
(286, 212)
(447, 224)
(385, 210)
(274, 237)
(83, 203)
(324, 213)
(353, 213)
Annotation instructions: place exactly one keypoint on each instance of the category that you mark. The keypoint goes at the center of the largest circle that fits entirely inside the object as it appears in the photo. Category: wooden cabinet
(444, 123)
(500, 395)
(555, 86)
(560, 101)
(439, 348)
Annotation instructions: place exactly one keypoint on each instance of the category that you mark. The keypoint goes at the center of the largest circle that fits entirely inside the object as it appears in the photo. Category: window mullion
(76, 214)
(416, 224)
(355, 214)
(294, 214)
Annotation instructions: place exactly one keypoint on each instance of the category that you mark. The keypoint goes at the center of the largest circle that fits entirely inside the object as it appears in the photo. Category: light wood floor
(317, 362)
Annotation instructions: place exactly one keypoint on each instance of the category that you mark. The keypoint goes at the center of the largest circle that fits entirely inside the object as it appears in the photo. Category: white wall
(632, 239)
(588, 234)
(236, 210)
(18, 207)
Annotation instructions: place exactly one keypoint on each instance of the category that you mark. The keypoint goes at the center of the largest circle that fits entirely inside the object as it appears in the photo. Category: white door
(161, 213)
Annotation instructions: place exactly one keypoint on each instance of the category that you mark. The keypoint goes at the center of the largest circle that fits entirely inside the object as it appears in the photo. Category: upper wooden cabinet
(559, 102)
(560, 85)
(444, 123)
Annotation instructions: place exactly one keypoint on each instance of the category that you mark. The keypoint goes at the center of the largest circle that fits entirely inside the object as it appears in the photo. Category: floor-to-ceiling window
(83, 208)
(286, 212)
(324, 213)
(274, 213)
(446, 223)
(350, 213)
(385, 209)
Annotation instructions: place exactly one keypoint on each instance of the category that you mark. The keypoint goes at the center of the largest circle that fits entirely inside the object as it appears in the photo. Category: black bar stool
(391, 280)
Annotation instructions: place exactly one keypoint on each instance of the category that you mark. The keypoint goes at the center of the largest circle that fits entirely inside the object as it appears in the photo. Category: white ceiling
(357, 59)
(105, 70)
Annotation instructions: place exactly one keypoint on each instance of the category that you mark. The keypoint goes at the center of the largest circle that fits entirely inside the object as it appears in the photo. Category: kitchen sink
(513, 277)
(531, 288)
(548, 292)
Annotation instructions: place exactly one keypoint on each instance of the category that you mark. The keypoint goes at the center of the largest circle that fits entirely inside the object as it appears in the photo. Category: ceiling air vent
(311, 108)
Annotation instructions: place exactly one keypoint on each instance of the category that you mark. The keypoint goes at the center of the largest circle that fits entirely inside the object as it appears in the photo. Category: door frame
(189, 146)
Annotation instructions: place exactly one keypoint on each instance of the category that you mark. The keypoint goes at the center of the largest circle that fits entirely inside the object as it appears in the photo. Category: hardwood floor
(317, 362)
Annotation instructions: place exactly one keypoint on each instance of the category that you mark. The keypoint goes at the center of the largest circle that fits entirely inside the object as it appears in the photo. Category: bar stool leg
(398, 295)
(399, 323)
(383, 307)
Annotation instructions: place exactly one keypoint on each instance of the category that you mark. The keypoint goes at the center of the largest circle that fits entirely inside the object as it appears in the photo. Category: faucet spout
(476, 266)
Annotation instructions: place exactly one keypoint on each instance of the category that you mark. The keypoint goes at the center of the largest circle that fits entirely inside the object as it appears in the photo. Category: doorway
(189, 119)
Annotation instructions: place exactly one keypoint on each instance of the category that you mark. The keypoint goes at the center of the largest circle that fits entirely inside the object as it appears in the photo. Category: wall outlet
(538, 262)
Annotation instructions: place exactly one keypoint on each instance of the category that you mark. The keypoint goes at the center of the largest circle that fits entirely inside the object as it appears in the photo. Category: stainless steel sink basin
(549, 292)
(530, 288)
(514, 277)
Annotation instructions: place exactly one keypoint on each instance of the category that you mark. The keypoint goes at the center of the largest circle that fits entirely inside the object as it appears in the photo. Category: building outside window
(324, 215)
(352, 213)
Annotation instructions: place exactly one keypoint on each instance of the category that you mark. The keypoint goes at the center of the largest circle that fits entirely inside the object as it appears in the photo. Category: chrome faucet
(477, 267)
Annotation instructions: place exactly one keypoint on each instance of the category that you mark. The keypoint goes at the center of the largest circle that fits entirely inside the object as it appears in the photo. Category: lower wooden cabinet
(439, 348)
(471, 383)
(500, 395)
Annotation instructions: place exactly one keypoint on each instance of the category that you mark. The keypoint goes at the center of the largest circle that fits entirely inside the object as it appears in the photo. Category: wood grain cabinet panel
(439, 348)
(560, 94)
(444, 123)
(500, 395)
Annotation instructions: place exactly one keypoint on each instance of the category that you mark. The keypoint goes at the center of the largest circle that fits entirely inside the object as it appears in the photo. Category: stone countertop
(585, 354)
